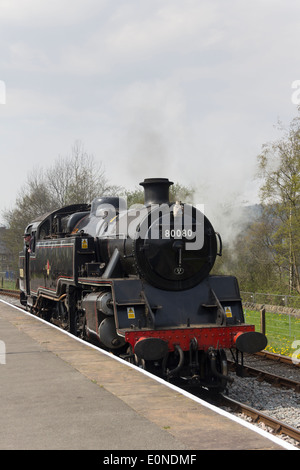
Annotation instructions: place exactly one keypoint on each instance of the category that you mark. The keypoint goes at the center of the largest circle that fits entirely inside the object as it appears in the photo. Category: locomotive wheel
(222, 362)
(214, 370)
(139, 362)
(133, 359)
(222, 370)
(84, 334)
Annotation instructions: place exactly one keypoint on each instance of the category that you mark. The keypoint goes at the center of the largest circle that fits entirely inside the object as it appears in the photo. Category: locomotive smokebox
(156, 190)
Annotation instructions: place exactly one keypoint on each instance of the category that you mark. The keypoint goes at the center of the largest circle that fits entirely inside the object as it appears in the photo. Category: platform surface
(59, 393)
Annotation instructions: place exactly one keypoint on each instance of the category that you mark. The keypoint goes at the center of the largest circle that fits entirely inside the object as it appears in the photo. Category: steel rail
(273, 379)
(277, 357)
(257, 416)
(10, 292)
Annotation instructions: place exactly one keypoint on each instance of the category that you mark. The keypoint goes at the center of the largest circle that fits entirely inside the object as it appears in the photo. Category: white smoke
(208, 154)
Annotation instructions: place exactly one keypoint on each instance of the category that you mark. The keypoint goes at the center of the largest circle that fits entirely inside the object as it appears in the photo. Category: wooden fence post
(263, 320)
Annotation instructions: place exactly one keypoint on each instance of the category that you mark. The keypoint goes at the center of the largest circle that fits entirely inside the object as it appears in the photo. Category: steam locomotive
(137, 282)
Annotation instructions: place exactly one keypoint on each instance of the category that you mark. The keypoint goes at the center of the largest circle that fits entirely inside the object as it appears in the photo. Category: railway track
(278, 427)
(10, 293)
(276, 358)
(273, 379)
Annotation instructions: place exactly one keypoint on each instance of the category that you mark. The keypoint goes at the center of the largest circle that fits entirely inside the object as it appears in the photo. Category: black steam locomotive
(136, 281)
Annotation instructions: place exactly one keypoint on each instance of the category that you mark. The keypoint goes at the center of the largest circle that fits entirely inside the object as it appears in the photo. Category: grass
(282, 331)
(6, 284)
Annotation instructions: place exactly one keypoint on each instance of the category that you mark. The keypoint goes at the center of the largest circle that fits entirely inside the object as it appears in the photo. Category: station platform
(60, 393)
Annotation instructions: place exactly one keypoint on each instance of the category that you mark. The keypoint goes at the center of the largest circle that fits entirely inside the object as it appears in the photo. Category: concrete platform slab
(58, 393)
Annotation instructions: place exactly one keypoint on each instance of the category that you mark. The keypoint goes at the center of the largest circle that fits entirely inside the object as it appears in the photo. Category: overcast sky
(188, 90)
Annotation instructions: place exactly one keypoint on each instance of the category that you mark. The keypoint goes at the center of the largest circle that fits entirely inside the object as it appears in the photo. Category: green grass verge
(282, 331)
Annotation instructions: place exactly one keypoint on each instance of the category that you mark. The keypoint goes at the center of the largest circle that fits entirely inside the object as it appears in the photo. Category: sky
(188, 90)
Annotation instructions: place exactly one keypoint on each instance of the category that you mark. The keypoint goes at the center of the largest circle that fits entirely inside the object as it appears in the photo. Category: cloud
(34, 13)
(188, 90)
(134, 34)
(160, 28)
(27, 58)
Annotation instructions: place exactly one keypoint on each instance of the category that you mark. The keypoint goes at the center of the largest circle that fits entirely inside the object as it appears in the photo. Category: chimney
(156, 190)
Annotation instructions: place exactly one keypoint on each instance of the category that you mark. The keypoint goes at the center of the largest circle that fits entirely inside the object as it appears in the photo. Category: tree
(279, 166)
(77, 178)
(250, 258)
(73, 179)
(33, 200)
(178, 192)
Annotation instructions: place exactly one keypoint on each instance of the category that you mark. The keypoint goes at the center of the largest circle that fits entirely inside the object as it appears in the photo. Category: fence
(9, 284)
(281, 324)
(292, 301)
